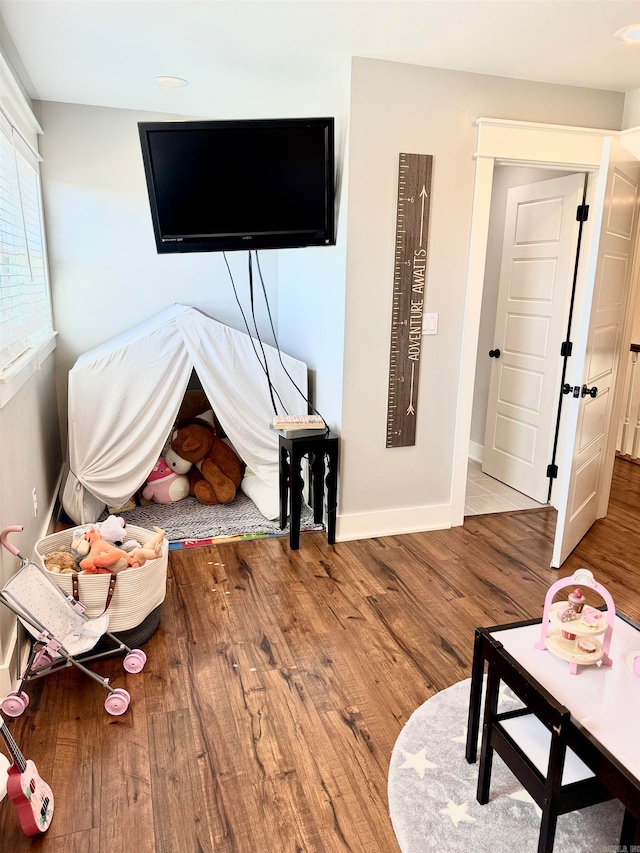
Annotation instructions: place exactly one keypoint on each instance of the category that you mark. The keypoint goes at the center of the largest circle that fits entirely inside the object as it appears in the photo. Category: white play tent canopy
(124, 397)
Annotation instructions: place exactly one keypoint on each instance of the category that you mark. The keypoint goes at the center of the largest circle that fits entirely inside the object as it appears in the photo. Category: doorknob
(494, 353)
(591, 392)
(572, 389)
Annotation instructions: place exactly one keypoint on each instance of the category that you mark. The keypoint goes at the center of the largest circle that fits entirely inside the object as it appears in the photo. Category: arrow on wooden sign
(409, 284)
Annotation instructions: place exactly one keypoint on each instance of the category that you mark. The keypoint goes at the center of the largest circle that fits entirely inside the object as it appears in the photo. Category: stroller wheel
(42, 660)
(14, 704)
(117, 702)
(135, 661)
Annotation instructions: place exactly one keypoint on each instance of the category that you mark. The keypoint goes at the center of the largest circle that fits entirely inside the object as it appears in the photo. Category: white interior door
(589, 429)
(536, 277)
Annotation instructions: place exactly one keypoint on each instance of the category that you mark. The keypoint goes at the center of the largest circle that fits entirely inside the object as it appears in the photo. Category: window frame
(19, 125)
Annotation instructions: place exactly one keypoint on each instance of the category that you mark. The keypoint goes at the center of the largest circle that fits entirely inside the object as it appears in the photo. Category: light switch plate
(430, 324)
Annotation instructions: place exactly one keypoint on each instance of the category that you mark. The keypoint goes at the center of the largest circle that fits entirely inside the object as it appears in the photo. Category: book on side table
(298, 426)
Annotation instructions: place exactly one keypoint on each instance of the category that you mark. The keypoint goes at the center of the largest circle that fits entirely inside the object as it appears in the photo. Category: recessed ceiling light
(171, 82)
(630, 33)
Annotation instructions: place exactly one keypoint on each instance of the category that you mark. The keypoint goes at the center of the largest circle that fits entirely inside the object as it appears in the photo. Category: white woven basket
(137, 593)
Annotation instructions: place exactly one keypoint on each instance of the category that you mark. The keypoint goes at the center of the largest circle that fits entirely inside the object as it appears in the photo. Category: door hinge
(552, 471)
(566, 348)
(582, 213)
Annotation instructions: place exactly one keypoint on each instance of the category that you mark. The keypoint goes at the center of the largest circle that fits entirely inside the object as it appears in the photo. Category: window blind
(25, 308)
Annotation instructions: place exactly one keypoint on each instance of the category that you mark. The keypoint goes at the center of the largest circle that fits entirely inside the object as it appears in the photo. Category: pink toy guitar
(31, 796)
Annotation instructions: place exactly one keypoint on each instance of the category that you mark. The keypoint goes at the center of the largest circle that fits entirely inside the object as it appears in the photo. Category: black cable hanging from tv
(255, 326)
(275, 338)
(264, 365)
(246, 325)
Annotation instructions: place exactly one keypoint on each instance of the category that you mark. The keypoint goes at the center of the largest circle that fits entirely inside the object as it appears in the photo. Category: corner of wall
(631, 112)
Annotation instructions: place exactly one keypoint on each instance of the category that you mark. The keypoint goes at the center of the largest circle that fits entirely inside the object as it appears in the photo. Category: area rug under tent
(432, 792)
(190, 522)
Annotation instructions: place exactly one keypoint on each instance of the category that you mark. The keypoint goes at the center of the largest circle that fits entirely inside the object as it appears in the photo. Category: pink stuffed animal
(164, 485)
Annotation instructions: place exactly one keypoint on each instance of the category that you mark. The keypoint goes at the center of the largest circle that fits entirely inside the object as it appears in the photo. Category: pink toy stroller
(61, 631)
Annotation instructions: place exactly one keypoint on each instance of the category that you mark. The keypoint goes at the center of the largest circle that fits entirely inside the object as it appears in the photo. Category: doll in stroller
(62, 635)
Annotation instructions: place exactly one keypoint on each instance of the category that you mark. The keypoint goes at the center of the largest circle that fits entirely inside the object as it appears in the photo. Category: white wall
(402, 108)
(106, 275)
(504, 177)
(311, 317)
(311, 282)
(631, 116)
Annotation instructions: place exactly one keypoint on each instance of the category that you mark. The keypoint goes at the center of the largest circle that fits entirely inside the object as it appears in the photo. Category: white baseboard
(392, 522)
(476, 451)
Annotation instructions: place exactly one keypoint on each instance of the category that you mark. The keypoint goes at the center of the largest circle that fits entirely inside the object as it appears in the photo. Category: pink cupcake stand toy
(573, 631)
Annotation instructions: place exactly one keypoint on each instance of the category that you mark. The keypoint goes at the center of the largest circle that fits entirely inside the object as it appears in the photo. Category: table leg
(284, 486)
(630, 831)
(486, 753)
(473, 724)
(317, 485)
(332, 494)
(547, 830)
(297, 487)
(553, 784)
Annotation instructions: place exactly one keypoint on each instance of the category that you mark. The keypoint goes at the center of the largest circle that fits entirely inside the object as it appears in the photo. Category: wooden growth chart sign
(409, 283)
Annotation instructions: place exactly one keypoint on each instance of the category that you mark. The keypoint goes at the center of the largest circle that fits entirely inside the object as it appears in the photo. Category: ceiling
(260, 57)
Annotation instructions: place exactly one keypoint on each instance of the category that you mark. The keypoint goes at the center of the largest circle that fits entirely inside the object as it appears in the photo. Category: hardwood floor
(278, 682)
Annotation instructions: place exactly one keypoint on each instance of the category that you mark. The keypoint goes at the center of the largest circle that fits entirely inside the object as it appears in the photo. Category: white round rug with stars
(432, 792)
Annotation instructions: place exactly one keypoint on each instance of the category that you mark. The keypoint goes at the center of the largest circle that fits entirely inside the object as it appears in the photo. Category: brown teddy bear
(220, 467)
(61, 561)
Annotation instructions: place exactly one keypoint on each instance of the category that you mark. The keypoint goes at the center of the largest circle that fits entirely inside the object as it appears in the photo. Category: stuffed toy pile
(198, 448)
(217, 469)
(103, 548)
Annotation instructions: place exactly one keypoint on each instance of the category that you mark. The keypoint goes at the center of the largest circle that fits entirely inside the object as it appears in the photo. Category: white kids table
(601, 706)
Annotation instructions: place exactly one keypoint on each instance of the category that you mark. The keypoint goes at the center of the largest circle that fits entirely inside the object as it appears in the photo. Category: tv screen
(251, 184)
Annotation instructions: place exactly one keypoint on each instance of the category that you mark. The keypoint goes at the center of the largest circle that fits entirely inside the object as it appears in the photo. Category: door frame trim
(522, 144)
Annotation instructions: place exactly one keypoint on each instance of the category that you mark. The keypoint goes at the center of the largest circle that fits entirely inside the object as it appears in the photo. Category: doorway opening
(529, 279)
(605, 288)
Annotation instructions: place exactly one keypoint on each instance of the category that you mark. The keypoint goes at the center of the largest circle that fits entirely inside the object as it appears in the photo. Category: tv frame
(269, 240)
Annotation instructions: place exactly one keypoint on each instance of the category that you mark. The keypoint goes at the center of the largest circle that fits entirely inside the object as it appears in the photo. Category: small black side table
(291, 453)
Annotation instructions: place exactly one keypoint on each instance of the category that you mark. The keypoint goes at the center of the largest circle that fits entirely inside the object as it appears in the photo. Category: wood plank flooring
(278, 682)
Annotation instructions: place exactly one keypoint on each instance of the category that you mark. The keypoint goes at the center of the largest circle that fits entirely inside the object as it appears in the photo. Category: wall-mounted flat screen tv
(250, 184)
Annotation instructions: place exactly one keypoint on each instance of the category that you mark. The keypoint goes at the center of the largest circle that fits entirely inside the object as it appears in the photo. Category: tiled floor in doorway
(484, 494)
